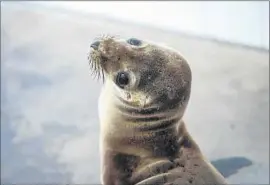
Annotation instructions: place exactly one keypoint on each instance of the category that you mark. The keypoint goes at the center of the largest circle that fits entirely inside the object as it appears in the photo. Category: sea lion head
(144, 75)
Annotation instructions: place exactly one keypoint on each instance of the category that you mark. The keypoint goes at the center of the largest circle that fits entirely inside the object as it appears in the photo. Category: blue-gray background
(49, 123)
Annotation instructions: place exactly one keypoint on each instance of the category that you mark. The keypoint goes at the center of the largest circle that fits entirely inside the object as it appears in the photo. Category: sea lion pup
(143, 138)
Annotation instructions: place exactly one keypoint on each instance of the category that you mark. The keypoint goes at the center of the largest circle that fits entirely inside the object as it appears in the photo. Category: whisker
(98, 72)
(103, 77)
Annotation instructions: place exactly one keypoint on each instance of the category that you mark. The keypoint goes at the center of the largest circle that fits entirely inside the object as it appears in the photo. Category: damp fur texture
(143, 138)
(150, 65)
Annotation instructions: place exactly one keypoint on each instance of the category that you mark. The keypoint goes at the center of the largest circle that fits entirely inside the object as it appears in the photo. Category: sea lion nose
(95, 45)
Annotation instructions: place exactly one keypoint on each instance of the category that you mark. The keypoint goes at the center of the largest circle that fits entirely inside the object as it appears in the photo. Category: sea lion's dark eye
(122, 79)
(134, 42)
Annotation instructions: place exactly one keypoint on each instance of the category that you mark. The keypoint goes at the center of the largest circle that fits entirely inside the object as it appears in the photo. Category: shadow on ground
(231, 165)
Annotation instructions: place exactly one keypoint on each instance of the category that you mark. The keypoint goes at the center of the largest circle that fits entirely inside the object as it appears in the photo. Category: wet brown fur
(146, 154)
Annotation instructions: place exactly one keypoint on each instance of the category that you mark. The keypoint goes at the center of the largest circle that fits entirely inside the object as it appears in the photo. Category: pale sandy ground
(49, 123)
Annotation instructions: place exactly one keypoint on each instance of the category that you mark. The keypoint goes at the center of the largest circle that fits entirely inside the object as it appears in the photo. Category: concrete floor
(49, 123)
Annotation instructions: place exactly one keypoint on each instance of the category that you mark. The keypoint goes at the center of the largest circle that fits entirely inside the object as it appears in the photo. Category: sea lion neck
(148, 134)
(153, 118)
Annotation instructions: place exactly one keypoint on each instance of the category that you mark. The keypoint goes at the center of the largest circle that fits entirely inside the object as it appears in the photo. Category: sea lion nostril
(95, 45)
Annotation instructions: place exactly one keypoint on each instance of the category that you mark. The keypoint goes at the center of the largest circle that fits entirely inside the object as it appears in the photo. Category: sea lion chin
(143, 138)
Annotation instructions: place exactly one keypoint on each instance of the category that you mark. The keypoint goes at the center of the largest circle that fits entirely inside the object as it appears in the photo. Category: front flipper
(152, 171)
(163, 172)
(161, 179)
(177, 172)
